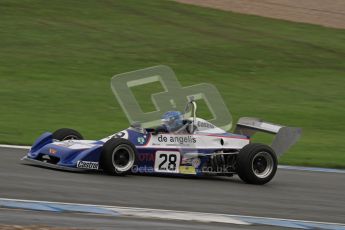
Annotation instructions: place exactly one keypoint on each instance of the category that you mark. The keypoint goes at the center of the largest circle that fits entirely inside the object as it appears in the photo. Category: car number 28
(167, 161)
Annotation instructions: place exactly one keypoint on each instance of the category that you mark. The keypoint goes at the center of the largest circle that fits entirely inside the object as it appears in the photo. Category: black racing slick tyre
(67, 134)
(118, 157)
(257, 163)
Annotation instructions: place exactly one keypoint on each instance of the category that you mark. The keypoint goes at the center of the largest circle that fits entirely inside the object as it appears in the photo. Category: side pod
(285, 137)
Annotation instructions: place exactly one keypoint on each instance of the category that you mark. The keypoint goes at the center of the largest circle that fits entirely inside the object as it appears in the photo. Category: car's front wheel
(118, 156)
(257, 163)
(67, 134)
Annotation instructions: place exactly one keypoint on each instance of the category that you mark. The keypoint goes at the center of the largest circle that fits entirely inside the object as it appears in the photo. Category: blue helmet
(172, 120)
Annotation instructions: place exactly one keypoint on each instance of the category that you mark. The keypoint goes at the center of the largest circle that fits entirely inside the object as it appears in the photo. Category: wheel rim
(70, 137)
(123, 158)
(262, 164)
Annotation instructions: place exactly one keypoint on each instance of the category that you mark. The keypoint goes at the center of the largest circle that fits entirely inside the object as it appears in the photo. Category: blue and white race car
(201, 149)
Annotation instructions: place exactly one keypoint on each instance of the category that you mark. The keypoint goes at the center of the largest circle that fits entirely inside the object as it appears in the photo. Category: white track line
(287, 167)
(15, 146)
(311, 169)
(140, 212)
(170, 214)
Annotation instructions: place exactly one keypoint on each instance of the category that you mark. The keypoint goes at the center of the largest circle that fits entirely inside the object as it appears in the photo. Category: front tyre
(67, 134)
(118, 156)
(257, 163)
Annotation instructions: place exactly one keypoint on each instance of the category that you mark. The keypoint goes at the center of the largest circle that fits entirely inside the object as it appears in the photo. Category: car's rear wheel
(118, 156)
(257, 163)
(67, 134)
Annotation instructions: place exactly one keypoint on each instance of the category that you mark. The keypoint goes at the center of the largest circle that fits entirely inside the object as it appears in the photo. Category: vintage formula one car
(204, 149)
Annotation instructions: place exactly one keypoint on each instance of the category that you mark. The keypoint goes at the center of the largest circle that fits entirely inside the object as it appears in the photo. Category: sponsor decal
(146, 157)
(186, 161)
(217, 169)
(205, 125)
(142, 169)
(52, 151)
(177, 139)
(141, 140)
(196, 162)
(87, 165)
(187, 170)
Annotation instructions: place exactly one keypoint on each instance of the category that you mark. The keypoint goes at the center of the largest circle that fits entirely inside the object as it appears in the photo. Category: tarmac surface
(301, 195)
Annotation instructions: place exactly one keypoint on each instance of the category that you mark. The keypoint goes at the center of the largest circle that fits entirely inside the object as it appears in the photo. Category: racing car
(203, 149)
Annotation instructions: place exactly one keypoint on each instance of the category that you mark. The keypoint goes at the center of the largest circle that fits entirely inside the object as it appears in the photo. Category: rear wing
(285, 136)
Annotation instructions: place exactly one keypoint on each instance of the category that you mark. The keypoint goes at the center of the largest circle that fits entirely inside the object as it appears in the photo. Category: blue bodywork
(61, 155)
(44, 145)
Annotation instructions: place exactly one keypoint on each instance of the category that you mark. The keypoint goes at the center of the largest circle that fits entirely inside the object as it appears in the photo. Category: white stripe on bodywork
(75, 144)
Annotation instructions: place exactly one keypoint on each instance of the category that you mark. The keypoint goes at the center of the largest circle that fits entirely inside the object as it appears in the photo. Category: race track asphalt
(302, 195)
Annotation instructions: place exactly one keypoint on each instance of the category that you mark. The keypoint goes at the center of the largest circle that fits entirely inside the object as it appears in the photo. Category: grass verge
(57, 58)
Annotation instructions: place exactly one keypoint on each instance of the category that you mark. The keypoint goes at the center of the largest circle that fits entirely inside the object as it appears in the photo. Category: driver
(173, 123)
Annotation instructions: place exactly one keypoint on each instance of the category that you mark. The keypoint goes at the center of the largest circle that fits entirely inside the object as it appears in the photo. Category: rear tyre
(67, 134)
(118, 156)
(257, 163)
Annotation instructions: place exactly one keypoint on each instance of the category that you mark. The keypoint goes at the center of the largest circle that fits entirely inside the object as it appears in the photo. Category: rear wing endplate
(285, 136)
